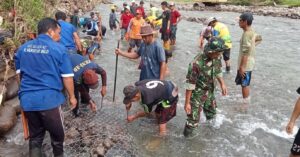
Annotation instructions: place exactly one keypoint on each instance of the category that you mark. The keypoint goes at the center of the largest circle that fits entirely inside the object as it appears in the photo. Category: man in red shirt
(125, 19)
(175, 18)
(141, 8)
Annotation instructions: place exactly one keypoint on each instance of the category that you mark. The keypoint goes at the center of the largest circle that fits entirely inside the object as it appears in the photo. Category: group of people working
(51, 63)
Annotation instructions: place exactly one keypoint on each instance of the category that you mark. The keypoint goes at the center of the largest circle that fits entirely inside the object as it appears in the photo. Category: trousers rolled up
(207, 102)
(38, 123)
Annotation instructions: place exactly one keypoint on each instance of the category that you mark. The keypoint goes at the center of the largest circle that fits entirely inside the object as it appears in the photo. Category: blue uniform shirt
(66, 34)
(151, 57)
(41, 63)
(79, 65)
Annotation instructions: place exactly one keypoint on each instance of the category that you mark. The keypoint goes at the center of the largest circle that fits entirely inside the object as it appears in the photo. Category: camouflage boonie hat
(215, 44)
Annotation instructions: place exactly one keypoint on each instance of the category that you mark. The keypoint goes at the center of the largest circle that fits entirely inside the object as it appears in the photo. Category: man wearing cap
(246, 60)
(113, 19)
(205, 34)
(85, 77)
(151, 93)
(295, 150)
(221, 30)
(134, 29)
(200, 84)
(124, 21)
(69, 36)
(153, 59)
(175, 19)
(166, 25)
(44, 70)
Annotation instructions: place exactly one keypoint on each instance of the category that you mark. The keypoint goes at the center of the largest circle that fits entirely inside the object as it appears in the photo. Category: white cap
(209, 20)
(172, 3)
(127, 7)
(132, 1)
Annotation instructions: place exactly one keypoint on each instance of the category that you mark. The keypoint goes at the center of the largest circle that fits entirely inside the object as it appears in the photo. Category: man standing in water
(163, 95)
(175, 19)
(44, 69)
(200, 85)
(221, 30)
(153, 59)
(246, 59)
(295, 150)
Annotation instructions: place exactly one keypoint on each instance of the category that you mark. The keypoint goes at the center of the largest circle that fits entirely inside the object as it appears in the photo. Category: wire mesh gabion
(97, 134)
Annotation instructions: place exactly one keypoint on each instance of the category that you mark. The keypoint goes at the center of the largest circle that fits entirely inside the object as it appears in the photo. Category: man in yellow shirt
(221, 30)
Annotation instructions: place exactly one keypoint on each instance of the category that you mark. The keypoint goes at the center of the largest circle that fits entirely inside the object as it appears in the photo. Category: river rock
(12, 88)
(107, 143)
(100, 151)
(8, 119)
(72, 133)
(15, 103)
(11, 73)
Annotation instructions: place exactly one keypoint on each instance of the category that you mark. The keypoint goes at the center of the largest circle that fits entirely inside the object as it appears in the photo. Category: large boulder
(12, 87)
(15, 103)
(2, 93)
(8, 119)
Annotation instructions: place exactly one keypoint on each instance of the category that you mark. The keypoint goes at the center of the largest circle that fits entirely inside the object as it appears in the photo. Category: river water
(258, 131)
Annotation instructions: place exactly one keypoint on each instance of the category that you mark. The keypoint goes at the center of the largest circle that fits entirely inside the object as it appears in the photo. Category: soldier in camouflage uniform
(200, 84)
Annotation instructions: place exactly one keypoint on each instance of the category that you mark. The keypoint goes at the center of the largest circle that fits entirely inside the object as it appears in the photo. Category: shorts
(165, 114)
(135, 42)
(112, 26)
(173, 32)
(165, 36)
(123, 32)
(226, 55)
(295, 150)
(244, 82)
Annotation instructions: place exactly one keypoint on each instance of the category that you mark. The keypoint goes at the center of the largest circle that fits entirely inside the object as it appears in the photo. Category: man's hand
(73, 102)
(224, 90)
(128, 106)
(117, 51)
(93, 105)
(131, 118)
(103, 91)
(188, 108)
(289, 127)
(242, 72)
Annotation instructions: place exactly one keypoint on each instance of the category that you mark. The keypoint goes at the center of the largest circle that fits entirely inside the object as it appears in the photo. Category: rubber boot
(188, 131)
(35, 152)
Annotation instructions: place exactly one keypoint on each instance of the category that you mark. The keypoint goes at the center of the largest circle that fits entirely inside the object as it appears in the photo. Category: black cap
(298, 90)
(246, 16)
(129, 92)
(141, 2)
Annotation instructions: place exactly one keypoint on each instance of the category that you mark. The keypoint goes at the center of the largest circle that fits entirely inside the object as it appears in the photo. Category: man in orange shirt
(134, 29)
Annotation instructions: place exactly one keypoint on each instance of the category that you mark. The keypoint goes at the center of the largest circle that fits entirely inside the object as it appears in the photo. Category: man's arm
(131, 55)
(222, 85)
(139, 114)
(187, 106)
(102, 72)
(295, 115)
(163, 67)
(69, 85)
(77, 41)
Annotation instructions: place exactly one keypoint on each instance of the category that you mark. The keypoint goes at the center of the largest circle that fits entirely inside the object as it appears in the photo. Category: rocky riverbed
(276, 11)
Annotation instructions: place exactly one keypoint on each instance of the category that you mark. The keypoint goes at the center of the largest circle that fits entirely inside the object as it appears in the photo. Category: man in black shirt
(150, 93)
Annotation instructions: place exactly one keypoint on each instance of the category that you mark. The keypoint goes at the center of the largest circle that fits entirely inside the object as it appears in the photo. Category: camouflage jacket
(202, 74)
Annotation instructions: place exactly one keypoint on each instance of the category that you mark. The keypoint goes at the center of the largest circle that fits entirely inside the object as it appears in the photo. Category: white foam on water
(249, 127)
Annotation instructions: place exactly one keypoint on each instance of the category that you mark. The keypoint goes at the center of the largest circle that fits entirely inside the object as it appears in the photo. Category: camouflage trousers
(201, 100)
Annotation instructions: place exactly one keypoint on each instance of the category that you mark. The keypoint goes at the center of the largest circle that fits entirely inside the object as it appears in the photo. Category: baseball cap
(172, 3)
(127, 7)
(129, 92)
(215, 44)
(132, 1)
(298, 90)
(90, 78)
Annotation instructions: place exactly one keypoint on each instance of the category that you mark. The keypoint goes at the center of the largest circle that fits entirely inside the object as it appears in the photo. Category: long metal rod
(116, 72)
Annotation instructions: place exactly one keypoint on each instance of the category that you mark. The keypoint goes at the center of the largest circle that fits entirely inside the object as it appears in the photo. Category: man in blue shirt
(44, 69)
(153, 58)
(69, 36)
(85, 77)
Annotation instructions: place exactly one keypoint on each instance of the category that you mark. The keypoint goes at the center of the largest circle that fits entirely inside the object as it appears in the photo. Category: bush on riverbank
(266, 2)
